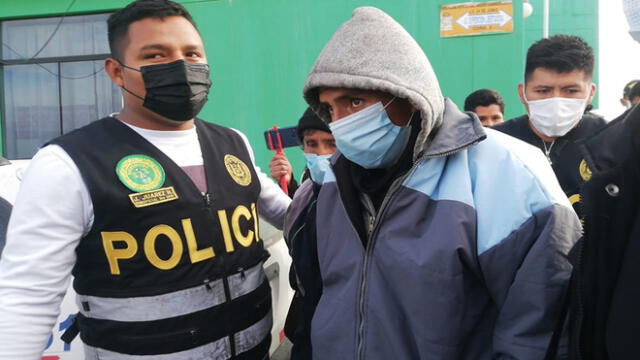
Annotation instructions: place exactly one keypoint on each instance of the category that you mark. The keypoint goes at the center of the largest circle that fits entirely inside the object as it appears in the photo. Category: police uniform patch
(140, 173)
(238, 170)
(585, 172)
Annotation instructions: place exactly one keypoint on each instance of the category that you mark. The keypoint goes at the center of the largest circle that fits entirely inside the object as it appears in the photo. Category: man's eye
(356, 102)
(193, 55)
(153, 56)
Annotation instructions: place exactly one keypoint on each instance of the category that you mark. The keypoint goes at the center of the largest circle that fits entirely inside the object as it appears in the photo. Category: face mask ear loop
(124, 88)
(410, 119)
(127, 67)
(389, 103)
(524, 91)
(130, 92)
(589, 89)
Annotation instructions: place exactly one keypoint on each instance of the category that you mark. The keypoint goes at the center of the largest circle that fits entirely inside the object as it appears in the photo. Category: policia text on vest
(230, 227)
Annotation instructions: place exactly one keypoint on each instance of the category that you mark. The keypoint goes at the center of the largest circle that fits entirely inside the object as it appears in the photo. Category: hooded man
(421, 253)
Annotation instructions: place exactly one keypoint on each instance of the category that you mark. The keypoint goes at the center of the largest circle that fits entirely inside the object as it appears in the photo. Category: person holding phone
(318, 145)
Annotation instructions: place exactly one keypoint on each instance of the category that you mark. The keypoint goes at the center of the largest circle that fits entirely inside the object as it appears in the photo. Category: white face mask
(556, 116)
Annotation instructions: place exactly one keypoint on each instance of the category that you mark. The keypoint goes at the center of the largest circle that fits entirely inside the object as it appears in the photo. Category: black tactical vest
(165, 268)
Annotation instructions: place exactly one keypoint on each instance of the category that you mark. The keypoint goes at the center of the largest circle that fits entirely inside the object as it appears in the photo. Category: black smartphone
(288, 136)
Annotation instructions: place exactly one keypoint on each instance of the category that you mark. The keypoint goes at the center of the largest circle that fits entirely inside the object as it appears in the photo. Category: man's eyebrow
(193, 47)
(153, 47)
(349, 94)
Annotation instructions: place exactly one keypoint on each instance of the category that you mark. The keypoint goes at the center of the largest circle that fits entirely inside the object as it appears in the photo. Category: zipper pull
(372, 221)
(242, 275)
(207, 200)
(207, 284)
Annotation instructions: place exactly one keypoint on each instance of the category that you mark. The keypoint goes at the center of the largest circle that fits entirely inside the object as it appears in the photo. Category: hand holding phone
(274, 138)
(287, 136)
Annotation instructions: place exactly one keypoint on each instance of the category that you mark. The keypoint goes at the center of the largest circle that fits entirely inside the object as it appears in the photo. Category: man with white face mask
(421, 253)
(558, 86)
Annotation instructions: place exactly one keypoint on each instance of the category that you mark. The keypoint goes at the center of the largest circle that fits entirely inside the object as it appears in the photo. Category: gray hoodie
(372, 51)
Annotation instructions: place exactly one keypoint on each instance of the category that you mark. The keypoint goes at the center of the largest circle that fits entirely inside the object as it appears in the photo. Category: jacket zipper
(369, 248)
(368, 251)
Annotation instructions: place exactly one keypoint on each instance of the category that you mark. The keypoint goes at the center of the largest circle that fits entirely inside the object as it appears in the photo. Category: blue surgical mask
(318, 165)
(369, 138)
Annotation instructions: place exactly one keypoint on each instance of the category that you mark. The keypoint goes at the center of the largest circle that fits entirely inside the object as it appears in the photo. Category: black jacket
(304, 277)
(565, 155)
(605, 317)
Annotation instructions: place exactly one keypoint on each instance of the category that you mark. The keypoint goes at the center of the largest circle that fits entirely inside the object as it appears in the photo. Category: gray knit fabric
(372, 51)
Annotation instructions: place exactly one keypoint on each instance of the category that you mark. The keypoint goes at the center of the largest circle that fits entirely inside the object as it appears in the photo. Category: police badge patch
(585, 172)
(238, 170)
(140, 173)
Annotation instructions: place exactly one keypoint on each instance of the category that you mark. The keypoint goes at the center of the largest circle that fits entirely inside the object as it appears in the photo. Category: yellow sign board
(476, 18)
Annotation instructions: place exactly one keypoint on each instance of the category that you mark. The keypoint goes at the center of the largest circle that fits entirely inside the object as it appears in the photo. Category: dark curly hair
(560, 53)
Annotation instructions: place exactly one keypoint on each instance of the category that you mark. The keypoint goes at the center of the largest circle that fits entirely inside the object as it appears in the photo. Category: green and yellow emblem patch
(140, 173)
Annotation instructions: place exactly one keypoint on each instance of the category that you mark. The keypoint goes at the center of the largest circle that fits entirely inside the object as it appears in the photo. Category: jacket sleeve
(52, 212)
(525, 230)
(273, 202)
(527, 274)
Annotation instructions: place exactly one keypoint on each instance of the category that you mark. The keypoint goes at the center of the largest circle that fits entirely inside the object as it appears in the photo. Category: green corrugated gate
(261, 50)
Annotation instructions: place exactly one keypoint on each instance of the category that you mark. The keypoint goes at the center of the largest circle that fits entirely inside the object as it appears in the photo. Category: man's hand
(279, 167)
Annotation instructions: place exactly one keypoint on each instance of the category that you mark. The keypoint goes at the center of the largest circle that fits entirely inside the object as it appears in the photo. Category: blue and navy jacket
(466, 259)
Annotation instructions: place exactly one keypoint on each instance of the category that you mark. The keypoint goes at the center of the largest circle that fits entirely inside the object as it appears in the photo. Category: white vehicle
(276, 268)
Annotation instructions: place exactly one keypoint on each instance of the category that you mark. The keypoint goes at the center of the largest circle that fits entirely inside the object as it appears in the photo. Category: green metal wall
(261, 50)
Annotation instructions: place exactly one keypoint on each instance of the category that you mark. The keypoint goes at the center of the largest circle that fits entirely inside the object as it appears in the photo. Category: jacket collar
(457, 131)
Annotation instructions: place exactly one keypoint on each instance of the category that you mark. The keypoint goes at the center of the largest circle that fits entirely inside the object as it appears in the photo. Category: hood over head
(371, 51)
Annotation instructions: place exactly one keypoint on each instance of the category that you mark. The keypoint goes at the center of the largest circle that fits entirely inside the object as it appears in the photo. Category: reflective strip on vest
(220, 349)
(183, 302)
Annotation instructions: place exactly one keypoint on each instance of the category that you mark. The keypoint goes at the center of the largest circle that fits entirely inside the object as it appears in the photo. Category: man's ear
(113, 68)
(521, 89)
(593, 92)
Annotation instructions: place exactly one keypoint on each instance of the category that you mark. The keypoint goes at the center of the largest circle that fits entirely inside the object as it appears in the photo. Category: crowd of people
(417, 230)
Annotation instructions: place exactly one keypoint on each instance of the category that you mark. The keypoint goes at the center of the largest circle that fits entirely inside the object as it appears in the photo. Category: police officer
(154, 211)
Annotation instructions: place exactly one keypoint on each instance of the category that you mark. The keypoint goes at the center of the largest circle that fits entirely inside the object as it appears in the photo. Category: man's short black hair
(634, 92)
(560, 53)
(483, 97)
(118, 23)
(631, 86)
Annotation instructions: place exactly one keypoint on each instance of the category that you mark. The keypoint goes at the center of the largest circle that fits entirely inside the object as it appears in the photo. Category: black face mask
(176, 90)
